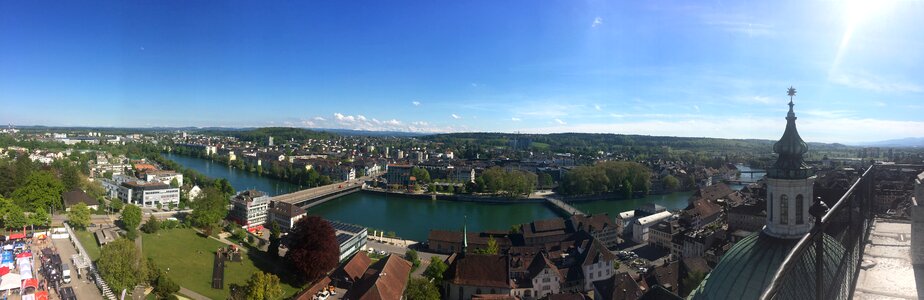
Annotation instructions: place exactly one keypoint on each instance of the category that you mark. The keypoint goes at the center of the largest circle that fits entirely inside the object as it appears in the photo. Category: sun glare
(856, 12)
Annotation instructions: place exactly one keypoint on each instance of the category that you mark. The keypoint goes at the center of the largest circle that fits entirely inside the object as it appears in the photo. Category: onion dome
(790, 148)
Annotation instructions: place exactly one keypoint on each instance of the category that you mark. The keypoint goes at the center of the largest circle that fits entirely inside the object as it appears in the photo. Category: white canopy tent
(10, 281)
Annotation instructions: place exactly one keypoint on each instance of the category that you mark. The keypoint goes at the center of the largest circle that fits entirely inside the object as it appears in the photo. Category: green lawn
(88, 241)
(189, 258)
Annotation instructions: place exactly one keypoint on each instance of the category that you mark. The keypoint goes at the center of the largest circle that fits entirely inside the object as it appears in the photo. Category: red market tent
(41, 295)
(17, 236)
(4, 270)
(23, 255)
(30, 283)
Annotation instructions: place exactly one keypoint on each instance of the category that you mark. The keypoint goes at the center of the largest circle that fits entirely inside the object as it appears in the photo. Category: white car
(382, 252)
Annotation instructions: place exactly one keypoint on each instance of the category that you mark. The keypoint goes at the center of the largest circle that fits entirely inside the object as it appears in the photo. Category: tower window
(799, 207)
(784, 209)
(770, 213)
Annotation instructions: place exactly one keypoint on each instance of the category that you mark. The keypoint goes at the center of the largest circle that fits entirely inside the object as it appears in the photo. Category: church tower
(789, 184)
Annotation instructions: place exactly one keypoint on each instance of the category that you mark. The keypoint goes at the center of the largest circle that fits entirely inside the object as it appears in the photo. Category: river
(412, 218)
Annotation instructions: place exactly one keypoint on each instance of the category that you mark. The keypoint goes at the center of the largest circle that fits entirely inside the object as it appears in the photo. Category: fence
(833, 251)
(91, 270)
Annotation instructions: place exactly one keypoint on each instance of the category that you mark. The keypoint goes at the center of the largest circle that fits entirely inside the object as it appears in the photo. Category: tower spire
(464, 234)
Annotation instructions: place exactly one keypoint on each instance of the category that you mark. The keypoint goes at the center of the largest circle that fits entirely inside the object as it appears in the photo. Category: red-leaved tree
(313, 248)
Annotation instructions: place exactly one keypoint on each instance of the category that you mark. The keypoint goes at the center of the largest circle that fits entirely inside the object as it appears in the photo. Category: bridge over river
(314, 196)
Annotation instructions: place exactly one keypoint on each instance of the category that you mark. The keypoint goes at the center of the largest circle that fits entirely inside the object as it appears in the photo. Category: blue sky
(684, 68)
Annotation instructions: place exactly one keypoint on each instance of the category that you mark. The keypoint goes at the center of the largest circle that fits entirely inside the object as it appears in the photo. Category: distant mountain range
(913, 142)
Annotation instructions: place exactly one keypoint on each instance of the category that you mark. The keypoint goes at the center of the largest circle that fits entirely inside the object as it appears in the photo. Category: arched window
(770, 213)
(799, 206)
(784, 209)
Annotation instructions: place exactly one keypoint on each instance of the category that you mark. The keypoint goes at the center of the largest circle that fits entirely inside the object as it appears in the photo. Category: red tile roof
(384, 280)
(479, 270)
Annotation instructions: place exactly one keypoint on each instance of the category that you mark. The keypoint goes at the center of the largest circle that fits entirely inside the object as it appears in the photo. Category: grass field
(189, 258)
(88, 241)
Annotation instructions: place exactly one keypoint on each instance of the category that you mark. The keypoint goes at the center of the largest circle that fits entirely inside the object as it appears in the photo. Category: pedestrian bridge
(564, 207)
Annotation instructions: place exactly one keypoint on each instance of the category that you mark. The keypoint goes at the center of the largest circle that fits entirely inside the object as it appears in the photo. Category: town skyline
(706, 70)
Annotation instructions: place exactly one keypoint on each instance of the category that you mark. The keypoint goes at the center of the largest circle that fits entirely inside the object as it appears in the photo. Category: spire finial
(791, 92)
(464, 233)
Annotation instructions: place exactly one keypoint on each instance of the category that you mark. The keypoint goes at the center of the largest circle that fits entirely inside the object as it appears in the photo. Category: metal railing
(91, 270)
(833, 251)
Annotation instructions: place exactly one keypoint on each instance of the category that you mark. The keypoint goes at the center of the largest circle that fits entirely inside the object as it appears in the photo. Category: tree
(209, 209)
(151, 226)
(131, 217)
(692, 281)
(79, 216)
(174, 183)
(263, 286)
(40, 217)
(412, 257)
(70, 177)
(435, 270)
(492, 246)
(421, 174)
(14, 217)
(545, 180)
(41, 189)
(123, 267)
(164, 286)
(421, 289)
(671, 182)
(116, 204)
(313, 248)
(275, 232)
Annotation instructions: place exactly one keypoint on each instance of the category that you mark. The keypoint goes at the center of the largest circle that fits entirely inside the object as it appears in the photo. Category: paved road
(82, 286)
(192, 295)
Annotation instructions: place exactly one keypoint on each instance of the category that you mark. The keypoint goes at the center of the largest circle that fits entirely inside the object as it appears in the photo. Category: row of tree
(627, 178)
(498, 181)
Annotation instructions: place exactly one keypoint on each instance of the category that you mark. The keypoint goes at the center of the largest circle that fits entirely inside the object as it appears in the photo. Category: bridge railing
(833, 251)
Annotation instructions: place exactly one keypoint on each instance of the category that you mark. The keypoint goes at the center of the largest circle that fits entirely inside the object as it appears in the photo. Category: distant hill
(910, 142)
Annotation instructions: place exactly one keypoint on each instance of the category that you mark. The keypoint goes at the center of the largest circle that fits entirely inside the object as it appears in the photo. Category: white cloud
(762, 100)
(415, 103)
(455, 116)
(420, 123)
(515, 119)
(696, 108)
(474, 85)
(319, 119)
(392, 122)
(345, 119)
(738, 23)
(560, 122)
(880, 104)
(597, 107)
(874, 83)
(361, 117)
(597, 22)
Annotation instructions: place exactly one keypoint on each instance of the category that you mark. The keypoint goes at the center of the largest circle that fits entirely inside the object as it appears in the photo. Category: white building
(148, 194)
(249, 208)
(163, 176)
(640, 227)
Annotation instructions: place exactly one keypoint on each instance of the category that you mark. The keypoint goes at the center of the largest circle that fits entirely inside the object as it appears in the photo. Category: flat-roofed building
(641, 225)
(249, 208)
(149, 194)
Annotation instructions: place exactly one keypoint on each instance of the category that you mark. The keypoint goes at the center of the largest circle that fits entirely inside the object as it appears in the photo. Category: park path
(192, 295)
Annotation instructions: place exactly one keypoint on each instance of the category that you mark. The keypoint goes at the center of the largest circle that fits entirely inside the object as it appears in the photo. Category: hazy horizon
(662, 68)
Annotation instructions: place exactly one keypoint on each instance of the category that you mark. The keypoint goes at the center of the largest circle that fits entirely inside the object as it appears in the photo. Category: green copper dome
(790, 148)
(746, 270)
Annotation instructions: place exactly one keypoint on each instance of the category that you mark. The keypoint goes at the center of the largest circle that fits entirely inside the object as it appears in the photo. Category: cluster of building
(150, 188)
